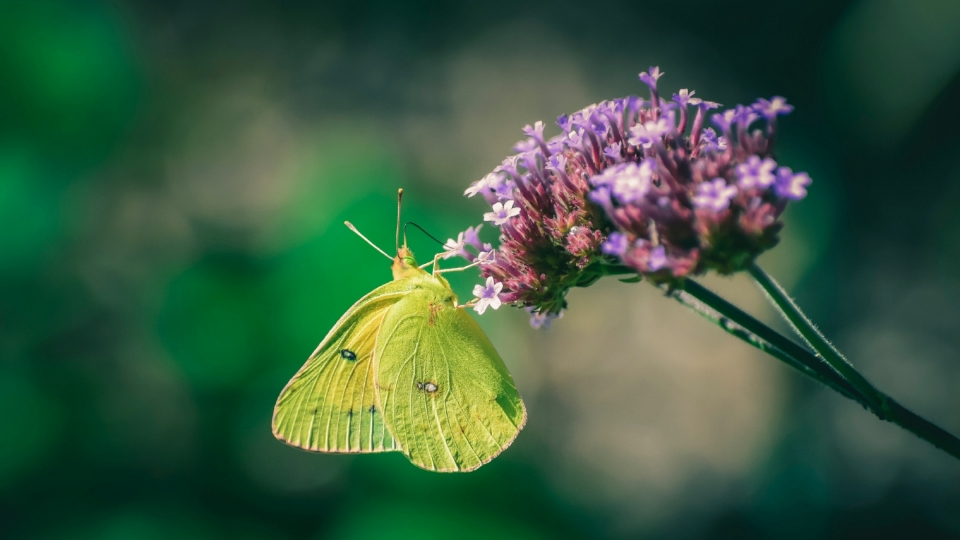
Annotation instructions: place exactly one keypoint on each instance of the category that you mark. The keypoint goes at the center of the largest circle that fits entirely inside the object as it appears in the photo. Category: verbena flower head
(634, 182)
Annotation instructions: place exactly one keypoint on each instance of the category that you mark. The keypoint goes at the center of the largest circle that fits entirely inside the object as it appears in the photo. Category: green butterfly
(404, 369)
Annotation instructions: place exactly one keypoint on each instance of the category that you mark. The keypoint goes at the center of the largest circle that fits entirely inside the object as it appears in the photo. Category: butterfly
(405, 369)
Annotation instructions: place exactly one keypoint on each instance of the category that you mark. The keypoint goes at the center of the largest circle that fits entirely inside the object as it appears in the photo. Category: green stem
(803, 362)
(756, 333)
(777, 345)
(603, 269)
(879, 403)
(803, 326)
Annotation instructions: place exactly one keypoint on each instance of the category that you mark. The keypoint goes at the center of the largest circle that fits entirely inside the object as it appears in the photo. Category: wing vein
(451, 394)
(436, 415)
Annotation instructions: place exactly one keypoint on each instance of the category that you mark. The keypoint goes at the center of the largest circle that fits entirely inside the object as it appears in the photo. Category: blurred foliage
(173, 179)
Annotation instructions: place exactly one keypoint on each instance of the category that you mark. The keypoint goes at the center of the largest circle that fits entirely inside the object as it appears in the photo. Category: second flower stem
(803, 326)
(814, 366)
(761, 336)
(745, 327)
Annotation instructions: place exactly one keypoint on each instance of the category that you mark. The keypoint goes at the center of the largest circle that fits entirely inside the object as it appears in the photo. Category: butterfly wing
(330, 405)
(446, 395)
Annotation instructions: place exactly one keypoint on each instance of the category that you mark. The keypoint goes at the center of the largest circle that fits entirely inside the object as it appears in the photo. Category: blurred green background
(173, 179)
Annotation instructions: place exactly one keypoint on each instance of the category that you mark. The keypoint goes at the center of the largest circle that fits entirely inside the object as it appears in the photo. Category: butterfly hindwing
(447, 397)
(330, 405)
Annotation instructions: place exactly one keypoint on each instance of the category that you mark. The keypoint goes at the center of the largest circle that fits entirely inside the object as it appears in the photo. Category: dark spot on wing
(347, 354)
(350, 413)
(428, 387)
(373, 409)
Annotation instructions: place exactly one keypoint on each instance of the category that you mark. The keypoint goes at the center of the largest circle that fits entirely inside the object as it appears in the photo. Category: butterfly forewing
(330, 405)
(446, 395)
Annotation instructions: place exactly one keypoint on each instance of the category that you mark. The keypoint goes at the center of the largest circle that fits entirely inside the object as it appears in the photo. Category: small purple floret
(602, 196)
(612, 151)
(525, 145)
(650, 132)
(685, 97)
(576, 138)
(501, 213)
(725, 119)
(650, 77)
(558, 162)
(745, 116)
(503, 189)
(791, 186)
(615, 244)
(714, 195)
(709, 136)
(471, 236)
(487, 182)
(658, 259)
(455, 248)
(535, 131)
(629, 182)
(776, 106)
(488, 295)
(542, 320)
(756, 172)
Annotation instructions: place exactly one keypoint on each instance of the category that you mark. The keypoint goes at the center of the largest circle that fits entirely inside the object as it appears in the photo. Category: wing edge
(376, 294)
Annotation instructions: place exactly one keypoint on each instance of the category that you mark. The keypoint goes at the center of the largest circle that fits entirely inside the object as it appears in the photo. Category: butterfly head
(404, 264)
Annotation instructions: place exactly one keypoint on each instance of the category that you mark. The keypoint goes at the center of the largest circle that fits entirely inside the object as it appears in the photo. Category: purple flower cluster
(637, 183)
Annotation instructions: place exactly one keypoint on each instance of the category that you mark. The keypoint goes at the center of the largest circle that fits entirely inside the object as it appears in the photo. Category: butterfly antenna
(399, 200)
(424, 231)
(354, 229)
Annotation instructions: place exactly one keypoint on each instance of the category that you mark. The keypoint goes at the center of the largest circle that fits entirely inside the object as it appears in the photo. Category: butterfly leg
(436, 259)
(461, 269)
(433, 262)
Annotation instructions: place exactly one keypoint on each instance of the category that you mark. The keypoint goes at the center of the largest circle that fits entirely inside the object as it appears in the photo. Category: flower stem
(721, 312)
(876, 401)
(739, 324)
(803, 326)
